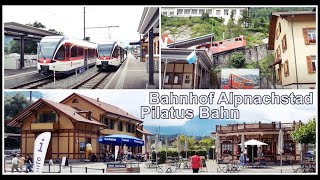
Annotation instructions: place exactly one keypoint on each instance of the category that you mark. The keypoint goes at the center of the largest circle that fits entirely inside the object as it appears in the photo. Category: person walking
(15, 163)
(29, 164)
(195, 162)
(21, 162)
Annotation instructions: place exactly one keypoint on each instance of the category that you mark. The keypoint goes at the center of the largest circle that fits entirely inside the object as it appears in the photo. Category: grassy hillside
(189, 27)
(256, 30)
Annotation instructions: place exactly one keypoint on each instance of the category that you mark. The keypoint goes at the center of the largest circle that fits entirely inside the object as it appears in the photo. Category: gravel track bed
(72, 80)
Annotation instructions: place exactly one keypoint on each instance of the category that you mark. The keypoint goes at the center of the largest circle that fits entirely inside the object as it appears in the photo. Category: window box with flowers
(312, 41)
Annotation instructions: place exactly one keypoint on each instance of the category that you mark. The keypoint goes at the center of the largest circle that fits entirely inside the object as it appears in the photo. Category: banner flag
(40, 150)
(116, 151)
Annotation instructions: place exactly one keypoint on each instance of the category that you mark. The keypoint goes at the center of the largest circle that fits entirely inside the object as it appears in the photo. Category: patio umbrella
(280, 146)
(121, 139)
(217, 149)
(186, 146)
(243, 146)
(178, 145)
(217, 146)
(149, 144)
(156, 142)
(166, 141)
(252, 143)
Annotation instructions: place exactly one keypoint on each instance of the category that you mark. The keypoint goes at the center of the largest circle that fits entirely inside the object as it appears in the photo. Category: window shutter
(305, 36)
(309, 64)
(286, 68)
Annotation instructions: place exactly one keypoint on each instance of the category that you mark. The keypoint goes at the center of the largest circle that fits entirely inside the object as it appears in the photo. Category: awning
(121, 139)
(275, 63)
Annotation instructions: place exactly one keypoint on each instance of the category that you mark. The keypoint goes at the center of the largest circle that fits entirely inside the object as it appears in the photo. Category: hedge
(162, 155)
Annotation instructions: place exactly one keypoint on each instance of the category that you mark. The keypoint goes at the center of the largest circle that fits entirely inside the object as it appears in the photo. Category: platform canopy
(14, 29)
(24, 32)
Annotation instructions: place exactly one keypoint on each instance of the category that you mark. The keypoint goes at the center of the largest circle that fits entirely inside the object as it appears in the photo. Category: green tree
(29, 47)
(206, 142)
(191, 142)
(306, 134)
(230, 27)
(236, 60)
(37, 25)
(6, 49)
(13, 104)
(255, 23)
(262, 22)
(205, 17)
(55, 31)
(245, 18)
(14, 47)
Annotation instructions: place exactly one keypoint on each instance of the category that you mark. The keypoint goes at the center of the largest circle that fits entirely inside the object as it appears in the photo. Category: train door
(85, 58)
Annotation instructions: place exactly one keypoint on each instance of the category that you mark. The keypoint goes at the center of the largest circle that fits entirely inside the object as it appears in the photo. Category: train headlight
(44, 61)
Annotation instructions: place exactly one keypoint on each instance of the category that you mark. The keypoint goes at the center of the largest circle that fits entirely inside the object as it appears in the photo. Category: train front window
(47, 49)
(105, 50)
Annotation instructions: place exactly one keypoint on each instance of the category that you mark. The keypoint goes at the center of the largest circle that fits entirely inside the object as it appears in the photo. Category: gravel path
(70, 81)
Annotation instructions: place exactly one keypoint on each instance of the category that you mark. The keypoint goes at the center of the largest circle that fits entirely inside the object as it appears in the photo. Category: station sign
(116, 165)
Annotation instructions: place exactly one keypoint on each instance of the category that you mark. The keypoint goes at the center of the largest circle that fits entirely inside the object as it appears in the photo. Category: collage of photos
(115, 90)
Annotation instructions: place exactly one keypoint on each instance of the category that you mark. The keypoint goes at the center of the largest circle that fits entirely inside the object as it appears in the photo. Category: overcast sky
(132, 100)
(69, 20)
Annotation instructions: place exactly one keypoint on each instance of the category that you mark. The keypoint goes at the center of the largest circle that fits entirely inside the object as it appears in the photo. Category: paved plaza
(97, 168)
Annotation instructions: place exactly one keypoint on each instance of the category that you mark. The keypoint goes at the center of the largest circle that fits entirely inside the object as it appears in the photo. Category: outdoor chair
(159, 168)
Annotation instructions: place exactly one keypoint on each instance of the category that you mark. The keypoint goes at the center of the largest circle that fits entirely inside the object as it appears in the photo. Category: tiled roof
(293, 13)
(144, 131)
(70, 111)
(109, 108)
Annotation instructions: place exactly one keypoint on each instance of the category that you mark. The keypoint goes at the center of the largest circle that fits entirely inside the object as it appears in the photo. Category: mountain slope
(194, 127)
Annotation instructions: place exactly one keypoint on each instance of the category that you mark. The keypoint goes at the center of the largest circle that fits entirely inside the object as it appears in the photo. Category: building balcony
(44, 126)
(261, 127)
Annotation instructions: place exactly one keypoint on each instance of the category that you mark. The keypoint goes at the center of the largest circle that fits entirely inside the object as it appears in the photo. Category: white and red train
(110, 55)
(224, 45)
(65, 55)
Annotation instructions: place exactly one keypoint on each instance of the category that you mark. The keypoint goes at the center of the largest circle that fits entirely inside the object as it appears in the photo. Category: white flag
(40, 150)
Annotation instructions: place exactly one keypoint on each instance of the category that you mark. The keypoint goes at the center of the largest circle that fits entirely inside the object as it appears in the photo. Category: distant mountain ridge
(194, 127)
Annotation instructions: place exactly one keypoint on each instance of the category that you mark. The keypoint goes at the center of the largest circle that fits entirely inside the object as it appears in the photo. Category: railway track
(97, 81)
(36, 83)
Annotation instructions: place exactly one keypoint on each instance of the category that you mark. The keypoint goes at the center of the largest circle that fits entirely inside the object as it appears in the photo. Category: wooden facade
(177, 73)
(230, 138)
(74, 120)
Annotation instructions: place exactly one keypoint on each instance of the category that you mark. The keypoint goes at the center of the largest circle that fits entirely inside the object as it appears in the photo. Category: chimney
(97, 99)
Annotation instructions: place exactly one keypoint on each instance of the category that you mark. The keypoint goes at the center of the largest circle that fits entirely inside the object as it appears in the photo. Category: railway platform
(11, 72)
(132, 75)
(14, 77)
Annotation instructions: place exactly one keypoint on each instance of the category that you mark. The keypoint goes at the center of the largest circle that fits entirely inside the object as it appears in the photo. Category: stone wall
(252, 54)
